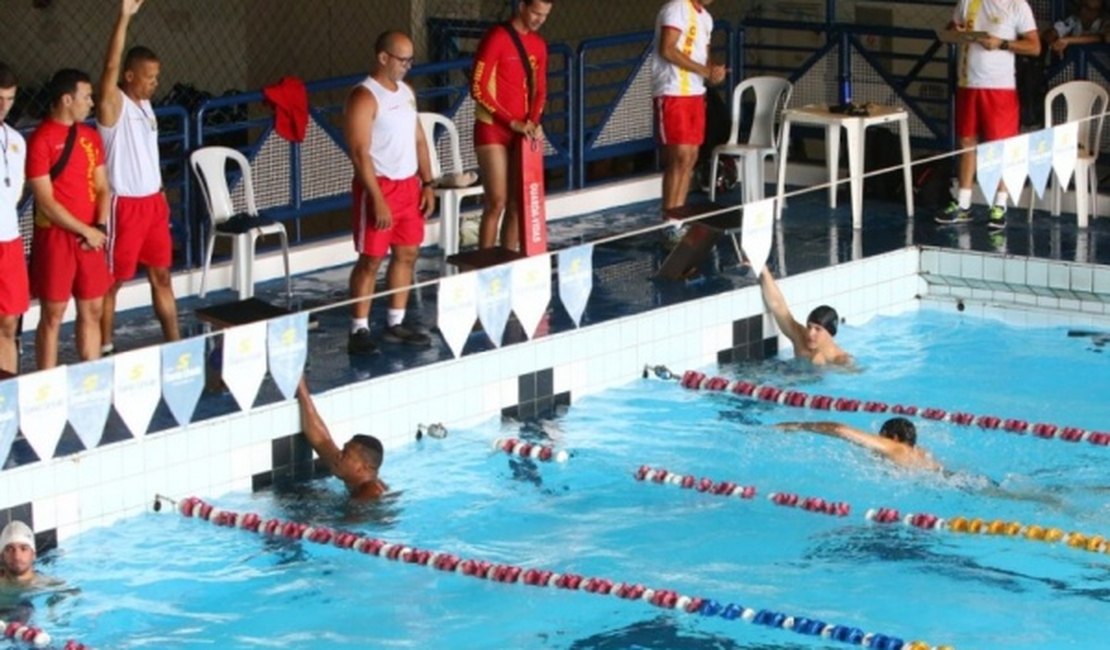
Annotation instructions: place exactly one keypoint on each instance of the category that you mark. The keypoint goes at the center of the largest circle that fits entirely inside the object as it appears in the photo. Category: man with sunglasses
(392, 190)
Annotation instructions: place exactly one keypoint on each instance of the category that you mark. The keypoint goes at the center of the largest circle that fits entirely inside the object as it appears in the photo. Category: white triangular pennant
(138, 387)
(1015, 169)
(1040, 160)
(495, 300)
(757, 233)
(42, 409)
(1065, 151)
(531, 278)
(988, 168)
(457, 309)
(576, 279)
(244, 361)
(90, 399)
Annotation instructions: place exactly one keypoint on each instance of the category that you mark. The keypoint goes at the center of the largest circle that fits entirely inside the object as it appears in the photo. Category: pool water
(164, 581)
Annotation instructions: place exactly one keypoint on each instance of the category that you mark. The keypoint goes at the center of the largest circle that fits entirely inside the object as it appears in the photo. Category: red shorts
(485, 134)
(61, 269)
(15, 295)
(987, 113)
(681, 120)
(403, 199)
(139, 233)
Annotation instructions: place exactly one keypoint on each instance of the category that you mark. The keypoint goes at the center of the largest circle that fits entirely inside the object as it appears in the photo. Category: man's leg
(493, 165)
(679, 161)
(108, 317)
(46, 335)
(8, 326)
(87, 327)
(165, 305)
(510, 225)
(363, 276)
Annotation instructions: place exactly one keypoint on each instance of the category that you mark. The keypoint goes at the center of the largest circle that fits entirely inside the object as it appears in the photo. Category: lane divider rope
(694, 380)
(194, 507)
(33, 636)
(533, 450)
(923, 521)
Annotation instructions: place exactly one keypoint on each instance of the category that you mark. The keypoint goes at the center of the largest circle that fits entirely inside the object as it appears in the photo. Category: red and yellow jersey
(498, 83)
(75, 187)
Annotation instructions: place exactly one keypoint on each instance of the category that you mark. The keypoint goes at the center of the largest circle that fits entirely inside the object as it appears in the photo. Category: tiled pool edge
(245, 451)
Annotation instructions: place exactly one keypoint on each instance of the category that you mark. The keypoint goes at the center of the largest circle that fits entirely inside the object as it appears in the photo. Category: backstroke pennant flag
(287, 348)
(988, 168)
(138, 387)
(9, 415)
(757, 232)
(42, 409)
(183, 377)
(1040, 160)
(457, 309)
(1015, 168)
(245, 361)
(1065, 151)
(576, 279)
(494, 300)
(90, 399)
(531, 281)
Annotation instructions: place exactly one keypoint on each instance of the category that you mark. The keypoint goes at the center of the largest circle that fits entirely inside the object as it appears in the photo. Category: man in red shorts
(510, 96)
(65, 169)
(986, 93)
(14, 292)
(392, 189)
(139, 223)
(680, 69)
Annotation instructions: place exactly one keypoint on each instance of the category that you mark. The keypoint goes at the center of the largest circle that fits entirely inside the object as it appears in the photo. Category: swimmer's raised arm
(314, 428)
(776, 304)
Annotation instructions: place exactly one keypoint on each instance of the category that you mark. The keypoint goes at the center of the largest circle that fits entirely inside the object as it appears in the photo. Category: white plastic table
(855, 127)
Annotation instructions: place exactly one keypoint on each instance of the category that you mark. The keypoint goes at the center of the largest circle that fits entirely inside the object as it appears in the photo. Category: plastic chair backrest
(210, 167)
(1082, 100)
(429, 122)
(772, 94)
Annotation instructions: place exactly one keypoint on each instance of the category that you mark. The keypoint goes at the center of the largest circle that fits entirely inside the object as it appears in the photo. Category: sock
(964, 198)
(107, 348)
(394, 317)
(360, 324)
(1001, 198)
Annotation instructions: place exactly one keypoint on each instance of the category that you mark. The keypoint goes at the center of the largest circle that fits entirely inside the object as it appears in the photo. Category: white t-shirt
(13, 160)
(131, 150)
(695, 26)
(1005, 19)
(393, 140)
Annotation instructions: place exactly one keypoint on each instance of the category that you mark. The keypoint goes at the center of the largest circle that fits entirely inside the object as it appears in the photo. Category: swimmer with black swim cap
(896, 441)
(814, 340)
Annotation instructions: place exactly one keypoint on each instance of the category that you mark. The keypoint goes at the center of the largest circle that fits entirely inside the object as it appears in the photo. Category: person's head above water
(367, 448)
(899, 430)
(825, 317)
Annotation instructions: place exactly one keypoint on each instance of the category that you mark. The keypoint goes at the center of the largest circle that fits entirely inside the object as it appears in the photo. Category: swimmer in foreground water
(896, 441)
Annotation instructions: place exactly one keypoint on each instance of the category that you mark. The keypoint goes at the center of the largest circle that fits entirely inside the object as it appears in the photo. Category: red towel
(289, 99)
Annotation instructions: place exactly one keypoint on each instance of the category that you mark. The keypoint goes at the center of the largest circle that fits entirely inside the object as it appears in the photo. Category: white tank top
(14, 157)
(393, 140)
(132, 150)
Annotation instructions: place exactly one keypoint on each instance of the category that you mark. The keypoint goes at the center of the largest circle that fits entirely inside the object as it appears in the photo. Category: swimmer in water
(896, 441)
(814, 340)
(356, 464)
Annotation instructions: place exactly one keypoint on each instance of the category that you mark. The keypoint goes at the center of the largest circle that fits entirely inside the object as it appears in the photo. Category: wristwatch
(1004, 45)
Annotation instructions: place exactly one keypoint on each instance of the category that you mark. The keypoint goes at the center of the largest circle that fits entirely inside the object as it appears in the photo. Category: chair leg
(207, 263)
(288, 278)
(713, 177)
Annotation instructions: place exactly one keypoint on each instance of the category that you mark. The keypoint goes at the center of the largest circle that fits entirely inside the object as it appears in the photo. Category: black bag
(883, 150)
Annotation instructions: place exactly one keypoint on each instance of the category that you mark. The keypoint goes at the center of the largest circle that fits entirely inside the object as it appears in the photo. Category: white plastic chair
(772, 95)
(244, 228)
(1085, 102)
(448, 195)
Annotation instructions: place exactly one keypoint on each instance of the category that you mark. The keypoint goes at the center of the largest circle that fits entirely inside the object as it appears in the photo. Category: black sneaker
(954, 214)
(359, 343)
(400, 333)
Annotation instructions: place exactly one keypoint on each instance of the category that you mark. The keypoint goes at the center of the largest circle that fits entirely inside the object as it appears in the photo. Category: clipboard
(959, 36)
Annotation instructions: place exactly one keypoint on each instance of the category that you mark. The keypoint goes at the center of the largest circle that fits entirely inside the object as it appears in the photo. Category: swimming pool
(164, 581)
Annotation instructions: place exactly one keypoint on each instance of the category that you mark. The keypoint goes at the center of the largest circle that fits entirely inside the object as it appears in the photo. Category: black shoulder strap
(71, 138)
(529, 73)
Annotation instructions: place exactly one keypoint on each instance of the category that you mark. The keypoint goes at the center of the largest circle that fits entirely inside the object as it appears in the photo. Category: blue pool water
(163, 581)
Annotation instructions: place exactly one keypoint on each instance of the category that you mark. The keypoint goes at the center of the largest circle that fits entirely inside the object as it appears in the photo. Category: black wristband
(101, 227)
(1004, 45)
(428, 184)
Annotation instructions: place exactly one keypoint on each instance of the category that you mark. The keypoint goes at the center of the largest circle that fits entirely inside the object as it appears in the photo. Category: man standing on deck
(139, 223)
(680, 71)
(14, 288)
(392, 190)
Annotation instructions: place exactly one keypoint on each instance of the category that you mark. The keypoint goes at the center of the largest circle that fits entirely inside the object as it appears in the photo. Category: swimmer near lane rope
(537, 577)
(694, 380)
(923, 521)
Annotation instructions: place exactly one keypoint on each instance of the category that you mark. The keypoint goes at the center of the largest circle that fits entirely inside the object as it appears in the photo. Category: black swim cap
(826, 317)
